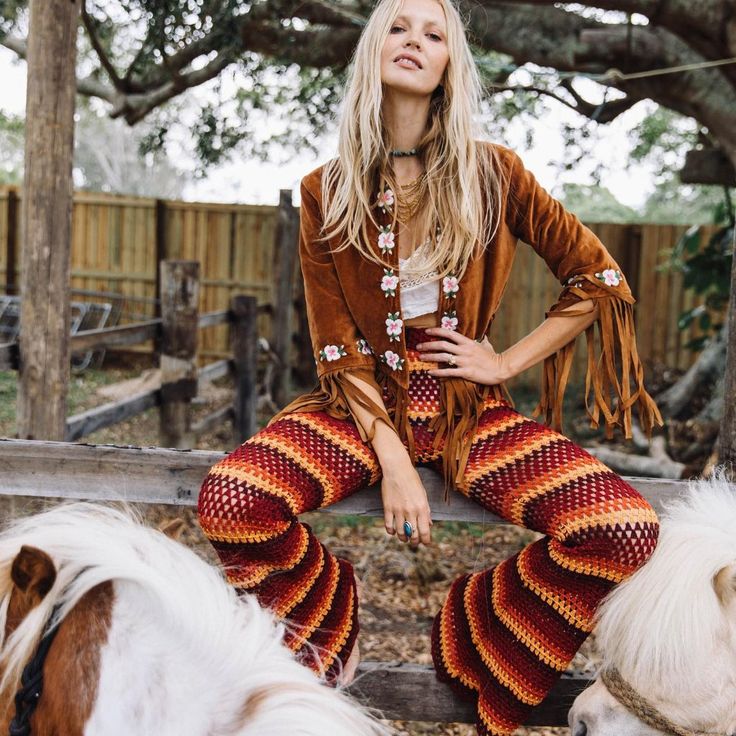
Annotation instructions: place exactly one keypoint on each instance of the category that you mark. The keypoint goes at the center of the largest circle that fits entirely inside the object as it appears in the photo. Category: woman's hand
(474, 361)
(405, 499)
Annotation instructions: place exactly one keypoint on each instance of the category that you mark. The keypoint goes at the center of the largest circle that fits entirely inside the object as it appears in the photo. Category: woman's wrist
(388, 445)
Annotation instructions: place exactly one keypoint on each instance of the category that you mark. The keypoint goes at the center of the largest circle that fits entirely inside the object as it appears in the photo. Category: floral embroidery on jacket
(609, 277)
(332, 352)
(386, 239)
(363, 346)
(449, 320)
(385, 199)
(393, 326)
(393, 359)
(389, 282)
(450, 285)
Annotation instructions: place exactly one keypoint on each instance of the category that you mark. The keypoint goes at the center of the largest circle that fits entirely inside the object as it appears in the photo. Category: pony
(667, 634)
(150, 639)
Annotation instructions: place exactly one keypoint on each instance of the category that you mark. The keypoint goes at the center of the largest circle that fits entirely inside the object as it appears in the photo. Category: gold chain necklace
(410, 197)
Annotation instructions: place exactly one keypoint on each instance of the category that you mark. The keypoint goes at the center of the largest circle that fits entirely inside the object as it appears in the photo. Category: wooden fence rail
(155, 475)
(177, 333)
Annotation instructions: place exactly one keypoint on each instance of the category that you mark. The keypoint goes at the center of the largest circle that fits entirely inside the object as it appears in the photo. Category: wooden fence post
(179, 313)
(244, 344)
(47, 218)
(285, 256)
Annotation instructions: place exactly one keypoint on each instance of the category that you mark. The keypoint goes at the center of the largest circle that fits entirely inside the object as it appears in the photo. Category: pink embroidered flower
(332, 352)
(389, 282)
(385, 199)
(393, 326)
(393, 360)
(449, 320)
(363, 346)
(609, 277)
(386, 239)
(450, 285)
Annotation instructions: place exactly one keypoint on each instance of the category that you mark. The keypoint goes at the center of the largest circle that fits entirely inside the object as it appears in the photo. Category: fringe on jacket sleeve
(614, 378)
(332, 395)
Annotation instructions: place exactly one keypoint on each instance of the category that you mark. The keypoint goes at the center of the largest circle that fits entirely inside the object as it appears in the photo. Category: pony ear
(172, 528)
(724, 582)
(33, 572)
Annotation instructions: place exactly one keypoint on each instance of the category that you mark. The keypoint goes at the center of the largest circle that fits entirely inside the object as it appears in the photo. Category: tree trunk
(47, 214)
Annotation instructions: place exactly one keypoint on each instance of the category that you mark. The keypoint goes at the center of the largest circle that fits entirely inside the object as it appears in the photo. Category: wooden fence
(155, 475)
(177, 332)
(118, 241)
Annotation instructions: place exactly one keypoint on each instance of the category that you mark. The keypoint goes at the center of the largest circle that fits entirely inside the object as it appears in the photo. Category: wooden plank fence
(118, 242)
(154, 475)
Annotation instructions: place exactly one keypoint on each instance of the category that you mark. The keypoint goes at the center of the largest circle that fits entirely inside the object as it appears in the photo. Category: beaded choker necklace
(399, 153)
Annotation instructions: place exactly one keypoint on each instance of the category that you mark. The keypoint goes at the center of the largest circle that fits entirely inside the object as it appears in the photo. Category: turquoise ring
(408, 529)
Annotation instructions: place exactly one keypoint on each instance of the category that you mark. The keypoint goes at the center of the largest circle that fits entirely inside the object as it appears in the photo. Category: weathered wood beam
(217, 369)
(110, 337)
(179, 333)
(214, 318)
(412, 692)
(111, 413)
(156, 475)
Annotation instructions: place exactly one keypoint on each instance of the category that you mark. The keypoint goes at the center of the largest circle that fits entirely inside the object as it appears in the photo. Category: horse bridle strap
(31, 683)
(642, 708)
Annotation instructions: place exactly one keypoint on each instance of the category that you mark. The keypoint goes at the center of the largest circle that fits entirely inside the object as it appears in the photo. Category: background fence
(118, 242)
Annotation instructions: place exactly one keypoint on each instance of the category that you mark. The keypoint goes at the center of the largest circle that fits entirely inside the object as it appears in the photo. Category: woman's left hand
(474, 361)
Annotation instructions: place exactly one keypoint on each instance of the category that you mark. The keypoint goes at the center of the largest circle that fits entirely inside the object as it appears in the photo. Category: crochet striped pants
(503, 635)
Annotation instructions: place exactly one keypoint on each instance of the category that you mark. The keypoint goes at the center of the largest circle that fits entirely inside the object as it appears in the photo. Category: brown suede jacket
(354, 315)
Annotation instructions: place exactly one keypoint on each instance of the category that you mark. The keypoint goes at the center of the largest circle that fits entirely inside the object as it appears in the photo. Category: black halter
(31, 682)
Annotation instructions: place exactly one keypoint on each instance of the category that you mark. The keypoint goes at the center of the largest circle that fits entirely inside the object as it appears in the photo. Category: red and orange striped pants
(505, 634)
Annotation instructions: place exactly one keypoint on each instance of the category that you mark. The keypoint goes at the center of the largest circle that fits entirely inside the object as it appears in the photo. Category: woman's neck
(405, 117)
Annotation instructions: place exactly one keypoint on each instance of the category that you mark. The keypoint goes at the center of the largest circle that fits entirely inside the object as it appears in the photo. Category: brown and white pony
(150, 639)
(669, 631)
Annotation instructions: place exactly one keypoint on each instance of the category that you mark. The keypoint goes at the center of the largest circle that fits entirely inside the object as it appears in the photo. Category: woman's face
(419, 32)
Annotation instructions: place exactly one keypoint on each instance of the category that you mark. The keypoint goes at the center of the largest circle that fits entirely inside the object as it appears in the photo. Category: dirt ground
(403, 587)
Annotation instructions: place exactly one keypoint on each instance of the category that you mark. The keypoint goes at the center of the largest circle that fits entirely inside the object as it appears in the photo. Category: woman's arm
(548, 338)
(479, 362)
(403, 495)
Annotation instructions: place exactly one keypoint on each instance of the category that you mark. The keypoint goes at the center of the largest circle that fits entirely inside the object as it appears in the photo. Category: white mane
(665, 624)
(230, 636)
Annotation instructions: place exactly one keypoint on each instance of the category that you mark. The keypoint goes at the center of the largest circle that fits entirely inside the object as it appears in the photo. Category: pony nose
(578, 728)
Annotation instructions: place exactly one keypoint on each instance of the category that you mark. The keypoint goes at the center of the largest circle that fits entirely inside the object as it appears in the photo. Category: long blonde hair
(464, 186)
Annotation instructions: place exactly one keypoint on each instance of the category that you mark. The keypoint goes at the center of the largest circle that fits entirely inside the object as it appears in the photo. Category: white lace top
(420, 293)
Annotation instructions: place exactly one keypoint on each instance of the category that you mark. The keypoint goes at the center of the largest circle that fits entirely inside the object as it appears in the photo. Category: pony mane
(665, 621)
(91, 544)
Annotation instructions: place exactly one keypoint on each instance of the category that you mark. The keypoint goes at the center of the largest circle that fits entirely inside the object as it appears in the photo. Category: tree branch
(89, 26)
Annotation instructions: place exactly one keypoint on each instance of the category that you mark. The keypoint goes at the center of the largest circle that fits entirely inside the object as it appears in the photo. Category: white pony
(670, 629)
(151, 639)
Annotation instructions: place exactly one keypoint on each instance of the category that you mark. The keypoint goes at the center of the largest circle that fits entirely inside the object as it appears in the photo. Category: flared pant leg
(505, 634)
(248, 508)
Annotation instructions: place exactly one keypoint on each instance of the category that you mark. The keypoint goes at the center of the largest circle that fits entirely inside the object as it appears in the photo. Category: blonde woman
(406, 244)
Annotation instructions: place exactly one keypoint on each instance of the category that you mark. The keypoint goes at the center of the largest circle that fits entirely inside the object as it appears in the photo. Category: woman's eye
(434, 36)
(393, 28)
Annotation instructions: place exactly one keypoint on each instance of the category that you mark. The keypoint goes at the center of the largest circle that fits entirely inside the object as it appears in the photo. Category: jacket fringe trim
(613, 362)
(461, 404)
